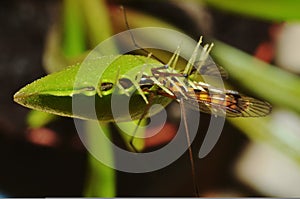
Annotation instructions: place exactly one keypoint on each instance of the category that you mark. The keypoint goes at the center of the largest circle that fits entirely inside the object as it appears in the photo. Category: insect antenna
(132, 37)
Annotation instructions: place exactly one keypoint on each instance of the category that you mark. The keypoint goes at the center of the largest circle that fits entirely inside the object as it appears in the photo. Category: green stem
(74, 35)
(101, 179)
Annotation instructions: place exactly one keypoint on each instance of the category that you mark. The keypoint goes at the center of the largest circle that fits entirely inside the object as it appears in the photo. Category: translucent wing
(210, 69)
(230, 103)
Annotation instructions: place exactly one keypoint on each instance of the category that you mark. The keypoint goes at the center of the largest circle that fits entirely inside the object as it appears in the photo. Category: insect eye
(125, 83)
(105, 86)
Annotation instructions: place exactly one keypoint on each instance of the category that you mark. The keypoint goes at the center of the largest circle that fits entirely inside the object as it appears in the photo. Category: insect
(178, 85)
(198, 95)
(184, 87)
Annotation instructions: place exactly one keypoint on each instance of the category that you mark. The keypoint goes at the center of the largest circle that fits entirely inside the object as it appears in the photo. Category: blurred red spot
(265, 50)
(43, 137)
(166, 134)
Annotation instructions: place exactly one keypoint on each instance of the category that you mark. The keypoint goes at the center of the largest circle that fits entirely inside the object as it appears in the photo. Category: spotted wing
(229, 104)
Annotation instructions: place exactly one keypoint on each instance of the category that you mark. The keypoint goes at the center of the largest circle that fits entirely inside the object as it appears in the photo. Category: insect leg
(114, 83)
(137, 86)
(191, 61)
(161, 86)
(138, 79)
(99, 88)
(177, 88)
(183, 113)
(139, 122)
(177, 52)
(203, 56)
(140, 73)
(172, 62)
(165, 79)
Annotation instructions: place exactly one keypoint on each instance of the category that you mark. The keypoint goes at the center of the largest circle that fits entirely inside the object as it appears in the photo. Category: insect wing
(230, 103)
(248, 107)
(210, 69)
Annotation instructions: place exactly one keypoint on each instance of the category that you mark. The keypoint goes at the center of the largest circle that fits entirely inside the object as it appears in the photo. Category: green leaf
(54, 93)
(279, 10)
